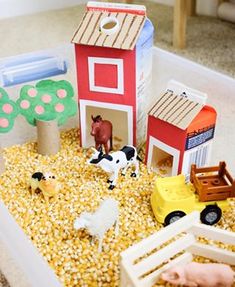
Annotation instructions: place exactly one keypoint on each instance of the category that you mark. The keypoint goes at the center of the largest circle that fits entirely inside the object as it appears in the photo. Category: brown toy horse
(102, 130)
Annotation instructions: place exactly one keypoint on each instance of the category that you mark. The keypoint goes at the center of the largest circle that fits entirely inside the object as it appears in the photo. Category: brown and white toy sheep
(47, 184)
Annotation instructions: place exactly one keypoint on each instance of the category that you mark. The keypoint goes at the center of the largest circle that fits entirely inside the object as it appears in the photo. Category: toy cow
(102, 130)
(100, 221)
(200, 275)
(46, 183)
(115, 161)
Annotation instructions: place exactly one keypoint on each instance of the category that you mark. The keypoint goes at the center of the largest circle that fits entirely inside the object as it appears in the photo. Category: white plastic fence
(20, 261)
(141, 264)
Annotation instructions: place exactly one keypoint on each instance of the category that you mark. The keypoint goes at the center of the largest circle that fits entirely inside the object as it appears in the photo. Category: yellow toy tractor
(208, 191)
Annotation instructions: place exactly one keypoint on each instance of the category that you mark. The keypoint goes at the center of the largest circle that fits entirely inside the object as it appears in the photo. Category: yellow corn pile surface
(70, 253)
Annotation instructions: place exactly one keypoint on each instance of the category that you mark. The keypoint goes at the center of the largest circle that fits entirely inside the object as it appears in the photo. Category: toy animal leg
(32, 190)
(111, 178)
(33, 186)
(93, 240)
(117, 227)
(97, 146)
(114, 177)
(111, 142)
(100, 243)
(125, 169)
(136, 172)
(46, 198)
(106, 148)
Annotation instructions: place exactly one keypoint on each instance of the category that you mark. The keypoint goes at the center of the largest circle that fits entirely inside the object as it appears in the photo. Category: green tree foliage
(48, 100)
(8, 112)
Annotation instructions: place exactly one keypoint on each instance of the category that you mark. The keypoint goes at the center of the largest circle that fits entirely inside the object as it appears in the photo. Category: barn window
(106, 75)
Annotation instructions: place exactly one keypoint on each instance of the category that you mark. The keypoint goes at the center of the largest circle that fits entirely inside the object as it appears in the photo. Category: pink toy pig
(200, 275)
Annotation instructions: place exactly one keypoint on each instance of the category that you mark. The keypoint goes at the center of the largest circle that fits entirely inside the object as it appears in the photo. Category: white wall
(204, 7)
(165, 2)
(207, 7)
(11, 8)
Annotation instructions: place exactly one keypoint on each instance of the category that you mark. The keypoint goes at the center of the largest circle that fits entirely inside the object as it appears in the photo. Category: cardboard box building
(180, 131)
(114, 59)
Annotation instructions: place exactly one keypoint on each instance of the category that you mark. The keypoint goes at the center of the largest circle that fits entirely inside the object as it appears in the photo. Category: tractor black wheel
(173, 216)
(211, 214)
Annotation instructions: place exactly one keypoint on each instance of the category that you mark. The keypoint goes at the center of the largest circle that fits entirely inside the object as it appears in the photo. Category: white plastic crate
(151, 262)
(20, 261)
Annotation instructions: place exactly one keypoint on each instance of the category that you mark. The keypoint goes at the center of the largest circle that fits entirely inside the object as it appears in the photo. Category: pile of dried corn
(50, 227)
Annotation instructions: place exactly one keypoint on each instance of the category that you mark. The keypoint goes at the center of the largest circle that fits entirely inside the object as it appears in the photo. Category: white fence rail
(142, 263)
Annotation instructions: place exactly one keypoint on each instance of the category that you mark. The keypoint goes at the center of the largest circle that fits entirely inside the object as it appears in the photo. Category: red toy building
(111, 67)
(180, 132)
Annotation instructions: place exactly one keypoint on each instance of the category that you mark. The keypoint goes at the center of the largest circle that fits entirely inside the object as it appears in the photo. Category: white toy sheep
(100, 221)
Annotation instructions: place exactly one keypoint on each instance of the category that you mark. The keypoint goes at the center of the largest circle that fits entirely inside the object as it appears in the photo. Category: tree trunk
(48, 137)
(2, 162)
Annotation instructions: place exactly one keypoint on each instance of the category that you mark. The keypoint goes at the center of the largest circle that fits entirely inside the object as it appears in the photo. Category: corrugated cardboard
(175, 109)
(48, 137)
(126, 36)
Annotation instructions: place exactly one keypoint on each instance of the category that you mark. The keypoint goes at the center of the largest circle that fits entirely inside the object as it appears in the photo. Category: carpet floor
(210, 41)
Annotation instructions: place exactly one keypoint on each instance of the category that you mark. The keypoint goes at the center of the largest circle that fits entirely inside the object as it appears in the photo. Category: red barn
(110, 48)
(180, 133)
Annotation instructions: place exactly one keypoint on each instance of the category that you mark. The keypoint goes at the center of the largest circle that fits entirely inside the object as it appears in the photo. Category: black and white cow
(112, 163)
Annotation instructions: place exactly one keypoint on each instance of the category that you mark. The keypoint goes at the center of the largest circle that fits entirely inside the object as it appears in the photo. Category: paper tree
(48, 100)
(47, 105)
(8, 112)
